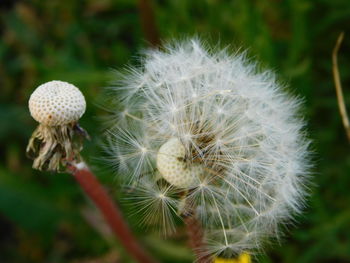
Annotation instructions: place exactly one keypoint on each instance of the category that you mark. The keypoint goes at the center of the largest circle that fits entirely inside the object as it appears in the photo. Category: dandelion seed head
(172, 166)
(222, 133)
(57, 103)
(57, 106)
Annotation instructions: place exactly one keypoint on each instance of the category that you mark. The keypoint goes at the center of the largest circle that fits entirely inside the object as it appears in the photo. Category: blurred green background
(45, 218)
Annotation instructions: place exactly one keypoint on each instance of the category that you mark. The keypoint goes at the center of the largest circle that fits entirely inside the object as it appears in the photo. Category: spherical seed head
(172, 166)
(57, 103)
(233, 122)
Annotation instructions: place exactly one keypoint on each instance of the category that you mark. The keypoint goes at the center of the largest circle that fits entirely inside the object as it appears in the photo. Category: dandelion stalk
(56, 144)
(111, 212)
(148, 22)
(196, 238)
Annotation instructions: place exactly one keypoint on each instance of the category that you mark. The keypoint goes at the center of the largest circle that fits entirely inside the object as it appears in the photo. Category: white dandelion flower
(225, 135)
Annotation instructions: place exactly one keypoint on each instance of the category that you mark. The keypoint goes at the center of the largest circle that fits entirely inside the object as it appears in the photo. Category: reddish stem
(92, 187)
(148, 22)
(196, 239)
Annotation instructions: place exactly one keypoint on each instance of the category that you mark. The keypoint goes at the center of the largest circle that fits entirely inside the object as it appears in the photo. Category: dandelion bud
(207, 134)
(57, 106)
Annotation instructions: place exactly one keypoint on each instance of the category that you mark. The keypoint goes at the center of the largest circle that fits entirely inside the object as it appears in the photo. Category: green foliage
(80, 41)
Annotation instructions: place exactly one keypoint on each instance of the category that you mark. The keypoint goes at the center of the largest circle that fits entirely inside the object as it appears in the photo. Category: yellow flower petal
(243, 258)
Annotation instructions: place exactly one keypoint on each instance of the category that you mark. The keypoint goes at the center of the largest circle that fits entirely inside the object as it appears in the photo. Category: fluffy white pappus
(224, 116)
(155, 203)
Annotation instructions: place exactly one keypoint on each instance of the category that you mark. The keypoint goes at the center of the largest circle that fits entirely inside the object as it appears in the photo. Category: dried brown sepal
(52, 146)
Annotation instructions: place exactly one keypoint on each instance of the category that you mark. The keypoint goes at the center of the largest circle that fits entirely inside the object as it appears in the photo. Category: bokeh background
(45, 217)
